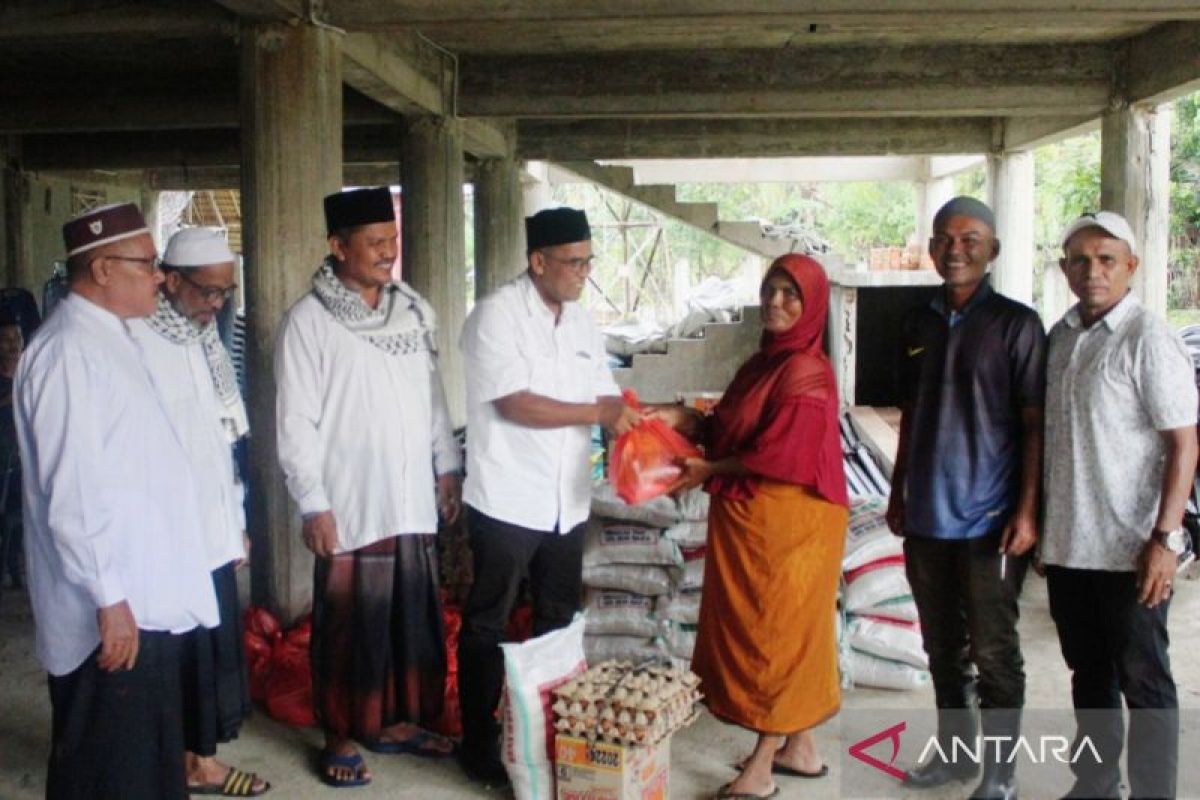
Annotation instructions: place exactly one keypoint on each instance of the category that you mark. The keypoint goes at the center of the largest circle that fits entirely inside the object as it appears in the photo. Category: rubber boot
(1001, 727)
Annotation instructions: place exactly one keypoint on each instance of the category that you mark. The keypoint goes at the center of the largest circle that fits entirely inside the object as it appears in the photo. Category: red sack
(645, 460)
(260, 631)
(289, 690)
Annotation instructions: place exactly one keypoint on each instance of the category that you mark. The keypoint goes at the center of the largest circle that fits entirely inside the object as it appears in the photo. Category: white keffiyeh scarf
(178, 329)
(402, 323)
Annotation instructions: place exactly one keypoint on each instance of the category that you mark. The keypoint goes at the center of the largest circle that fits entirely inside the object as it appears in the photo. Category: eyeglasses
(575, 264)
(209, 293)
(153, 262)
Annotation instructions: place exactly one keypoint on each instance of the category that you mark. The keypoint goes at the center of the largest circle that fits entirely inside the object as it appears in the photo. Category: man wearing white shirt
(365, 442)
(537, 381)
(115, 547)
(196, 380)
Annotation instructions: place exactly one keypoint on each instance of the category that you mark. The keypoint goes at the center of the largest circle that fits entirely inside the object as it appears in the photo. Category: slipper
(415, 745)
(353, 762)
(236, 784)
(781, 769)
(724, 794)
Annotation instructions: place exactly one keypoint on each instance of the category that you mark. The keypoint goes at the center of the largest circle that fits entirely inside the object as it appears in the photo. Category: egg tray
(620, 703)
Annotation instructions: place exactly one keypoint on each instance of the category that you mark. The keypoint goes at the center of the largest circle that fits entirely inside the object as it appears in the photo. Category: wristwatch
(1174, 540)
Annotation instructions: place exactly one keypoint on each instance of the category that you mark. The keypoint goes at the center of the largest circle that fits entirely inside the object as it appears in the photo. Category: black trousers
(1115, 646)
(119, 735)
(969, 616)
(503, 555)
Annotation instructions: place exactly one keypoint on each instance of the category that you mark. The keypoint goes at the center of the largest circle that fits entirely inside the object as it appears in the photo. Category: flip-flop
(353, 762)
(236, 784)
(782, 769)
(413, 745)
(724, 794)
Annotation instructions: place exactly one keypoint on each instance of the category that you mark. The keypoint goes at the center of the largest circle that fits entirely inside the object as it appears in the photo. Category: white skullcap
(197, 247)
(1111, 223)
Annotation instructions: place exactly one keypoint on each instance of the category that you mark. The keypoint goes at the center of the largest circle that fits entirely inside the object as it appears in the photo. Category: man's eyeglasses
(153, 263)
(209, 293)
(576, 264)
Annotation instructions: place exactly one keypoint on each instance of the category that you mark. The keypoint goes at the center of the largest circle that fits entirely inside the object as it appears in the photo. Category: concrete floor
(700, 757)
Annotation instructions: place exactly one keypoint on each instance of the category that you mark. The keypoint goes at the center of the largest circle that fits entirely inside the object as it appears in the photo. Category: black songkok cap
(358, 207)
(963, 206)
(554, 226)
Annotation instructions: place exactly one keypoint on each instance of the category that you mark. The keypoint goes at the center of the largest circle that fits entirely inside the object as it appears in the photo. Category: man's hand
(245, 559)
(449, 497)
(695, 472)
(1155, 573)
(615, 416)
(1020, 535)
(118, 637)
(320, 534)
(895, 513)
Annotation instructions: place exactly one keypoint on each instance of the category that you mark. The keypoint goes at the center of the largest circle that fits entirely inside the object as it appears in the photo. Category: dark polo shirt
(966, 378)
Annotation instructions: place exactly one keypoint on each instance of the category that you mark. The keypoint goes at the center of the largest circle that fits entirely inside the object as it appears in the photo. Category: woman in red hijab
(766, 649)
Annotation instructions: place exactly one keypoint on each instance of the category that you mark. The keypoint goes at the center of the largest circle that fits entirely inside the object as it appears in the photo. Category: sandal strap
(239, 783)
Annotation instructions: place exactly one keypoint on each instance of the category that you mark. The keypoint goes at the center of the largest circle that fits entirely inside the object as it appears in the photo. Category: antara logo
(1046, 749)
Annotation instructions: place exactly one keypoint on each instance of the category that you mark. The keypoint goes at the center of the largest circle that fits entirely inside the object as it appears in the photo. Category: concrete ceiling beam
(1026, 133)
(815, 82)
(1164, 63)
(61, 21)
(578, 140)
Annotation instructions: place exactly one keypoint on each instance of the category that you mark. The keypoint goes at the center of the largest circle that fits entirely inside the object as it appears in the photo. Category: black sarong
(119, 735)
(216, 691)
(378, 650)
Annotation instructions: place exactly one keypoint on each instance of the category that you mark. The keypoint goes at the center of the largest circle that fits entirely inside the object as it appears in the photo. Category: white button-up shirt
(361, 432)
(1110, 389)
(184, 382)
(538, 478)
(110, 508)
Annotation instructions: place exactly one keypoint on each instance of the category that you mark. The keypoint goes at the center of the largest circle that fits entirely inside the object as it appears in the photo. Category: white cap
(1111, 223)
(197, 247)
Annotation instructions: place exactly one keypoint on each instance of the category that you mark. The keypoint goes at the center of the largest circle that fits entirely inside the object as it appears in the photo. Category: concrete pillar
(291, 123)
(14, 242)
(932, 194)
(536, 191)
(1010, 194)
(499, 224)
(840, 336)
(431, 176)
(1135, 159)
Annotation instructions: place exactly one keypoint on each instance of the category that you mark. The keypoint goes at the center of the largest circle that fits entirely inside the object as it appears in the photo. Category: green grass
(1178, 317)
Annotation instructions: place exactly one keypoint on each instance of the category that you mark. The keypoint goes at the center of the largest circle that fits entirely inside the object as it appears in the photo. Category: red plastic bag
(289, 690)
(645, 460)
(260, 632)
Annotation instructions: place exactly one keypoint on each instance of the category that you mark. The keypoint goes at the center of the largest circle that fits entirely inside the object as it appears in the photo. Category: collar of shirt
(536, 306)
(81, 305)
(938, 303)
(1113, 319)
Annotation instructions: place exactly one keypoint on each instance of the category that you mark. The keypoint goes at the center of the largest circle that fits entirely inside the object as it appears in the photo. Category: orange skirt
(766, 649)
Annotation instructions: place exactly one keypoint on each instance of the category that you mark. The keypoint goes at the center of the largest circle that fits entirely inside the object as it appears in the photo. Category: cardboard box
(601, 771)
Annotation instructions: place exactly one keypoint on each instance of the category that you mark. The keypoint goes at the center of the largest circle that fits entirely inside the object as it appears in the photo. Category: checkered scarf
(400, 325)
(178, 329)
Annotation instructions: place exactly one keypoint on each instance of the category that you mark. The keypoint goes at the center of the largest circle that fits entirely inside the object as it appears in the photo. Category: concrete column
(431, 175)
(499, 224)
(932, 194)
(291, 122)
(14, 240)
(840, 334)
(536, 191)
(1010, 194)
(1135, 159)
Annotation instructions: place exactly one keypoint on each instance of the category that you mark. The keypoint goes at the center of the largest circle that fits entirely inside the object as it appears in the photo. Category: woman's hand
(683, 419)
(695, 472)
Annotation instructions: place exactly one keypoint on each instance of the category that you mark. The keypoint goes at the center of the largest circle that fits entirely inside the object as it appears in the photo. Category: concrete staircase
(748, 236)
(706, 364)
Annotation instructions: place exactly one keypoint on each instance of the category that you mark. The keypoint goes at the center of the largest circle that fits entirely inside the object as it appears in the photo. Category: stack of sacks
(881, 630)
(680, 610)
(628, 563)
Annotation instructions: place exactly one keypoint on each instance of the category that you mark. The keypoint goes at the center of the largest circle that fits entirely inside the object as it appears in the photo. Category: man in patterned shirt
(1120, 457)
